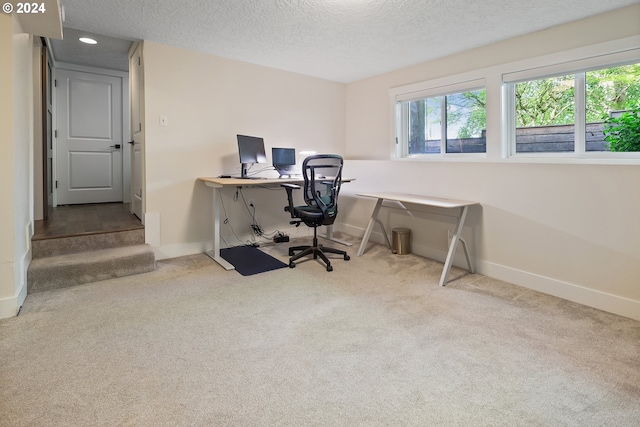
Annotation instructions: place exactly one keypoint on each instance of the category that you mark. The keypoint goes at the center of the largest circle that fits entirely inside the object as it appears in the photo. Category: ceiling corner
(46, 22)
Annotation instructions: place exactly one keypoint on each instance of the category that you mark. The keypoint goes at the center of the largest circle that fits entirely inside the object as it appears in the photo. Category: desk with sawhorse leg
(461, 205)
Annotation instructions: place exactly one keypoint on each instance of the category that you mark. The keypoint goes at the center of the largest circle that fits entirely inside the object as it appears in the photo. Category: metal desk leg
(452, 247)
(466, 254)
(384, 233)
(367, 232)
(215, 253)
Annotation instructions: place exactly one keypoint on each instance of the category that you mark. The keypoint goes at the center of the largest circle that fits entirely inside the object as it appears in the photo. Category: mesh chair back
(322, 179)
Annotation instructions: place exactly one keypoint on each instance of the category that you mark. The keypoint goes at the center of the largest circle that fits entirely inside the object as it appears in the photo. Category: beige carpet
(376, 342)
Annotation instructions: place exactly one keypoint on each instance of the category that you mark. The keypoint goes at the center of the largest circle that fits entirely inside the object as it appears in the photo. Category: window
(576, 106)
(612, 104)
(545, 120)
(441, 123)
(576, 113)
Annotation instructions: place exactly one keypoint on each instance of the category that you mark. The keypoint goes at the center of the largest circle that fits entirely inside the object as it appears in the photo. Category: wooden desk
(461, 205)
(217, 184)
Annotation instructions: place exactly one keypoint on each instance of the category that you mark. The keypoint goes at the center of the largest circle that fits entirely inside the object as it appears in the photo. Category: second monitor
(284, 161)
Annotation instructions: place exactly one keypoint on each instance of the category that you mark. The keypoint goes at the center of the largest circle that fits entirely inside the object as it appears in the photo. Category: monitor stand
(244, 167)
(243, 170)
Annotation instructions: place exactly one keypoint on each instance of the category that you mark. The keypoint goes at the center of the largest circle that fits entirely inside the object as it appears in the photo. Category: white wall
(22, 159)
(367, 108)
(568, 230)
(16, 111)
(208, 100)
(7, 292)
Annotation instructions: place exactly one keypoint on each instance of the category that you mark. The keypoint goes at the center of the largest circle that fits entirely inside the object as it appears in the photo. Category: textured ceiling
(110, 52)
(340, 40)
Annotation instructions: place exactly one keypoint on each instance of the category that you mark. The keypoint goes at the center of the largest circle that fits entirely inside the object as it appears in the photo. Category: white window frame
(401, 99)
(579, 69)
(499, 140)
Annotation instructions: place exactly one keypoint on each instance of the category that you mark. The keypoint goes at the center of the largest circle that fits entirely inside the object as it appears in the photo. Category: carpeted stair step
(86, 242)
(62, 271)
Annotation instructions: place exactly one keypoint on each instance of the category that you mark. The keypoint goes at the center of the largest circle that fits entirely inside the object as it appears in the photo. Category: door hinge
(55, 133)
(56, 184)
(139, 61)
(55, 83)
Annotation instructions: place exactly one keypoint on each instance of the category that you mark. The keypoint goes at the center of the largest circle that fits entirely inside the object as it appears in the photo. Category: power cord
(257, 230)
(227, 222)
(275, 236)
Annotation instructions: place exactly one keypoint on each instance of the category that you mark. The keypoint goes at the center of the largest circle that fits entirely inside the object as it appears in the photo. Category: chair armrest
(289, 188)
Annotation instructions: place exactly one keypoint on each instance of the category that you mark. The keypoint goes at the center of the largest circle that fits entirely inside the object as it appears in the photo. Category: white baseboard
(569, 291)
(9, 306)
(182, 249)
(152, 229)
(22, 295)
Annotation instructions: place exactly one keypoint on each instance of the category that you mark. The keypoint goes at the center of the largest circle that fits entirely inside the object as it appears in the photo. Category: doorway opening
(93, 214)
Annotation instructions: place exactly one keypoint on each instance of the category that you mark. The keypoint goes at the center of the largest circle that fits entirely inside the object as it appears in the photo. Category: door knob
(117, 146)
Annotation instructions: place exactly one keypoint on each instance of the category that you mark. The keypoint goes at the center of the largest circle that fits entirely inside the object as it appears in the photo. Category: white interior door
(89, 138)
(136, 84)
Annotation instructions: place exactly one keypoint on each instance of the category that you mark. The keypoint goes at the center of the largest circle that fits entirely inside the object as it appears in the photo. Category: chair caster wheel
(347, 257)
(329, 268)
(292, 265)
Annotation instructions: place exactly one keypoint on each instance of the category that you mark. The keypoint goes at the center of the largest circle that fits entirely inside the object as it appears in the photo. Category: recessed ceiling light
(87, 40)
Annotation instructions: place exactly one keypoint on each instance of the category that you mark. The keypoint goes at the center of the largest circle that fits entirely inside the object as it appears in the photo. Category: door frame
(46, 93)
(136, 125)
(126, 155)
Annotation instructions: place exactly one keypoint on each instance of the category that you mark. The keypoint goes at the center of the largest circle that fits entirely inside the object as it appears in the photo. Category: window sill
(633, 159)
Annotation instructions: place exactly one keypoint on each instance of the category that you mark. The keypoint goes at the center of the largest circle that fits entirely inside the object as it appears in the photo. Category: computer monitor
(251, 150)
(284, 160)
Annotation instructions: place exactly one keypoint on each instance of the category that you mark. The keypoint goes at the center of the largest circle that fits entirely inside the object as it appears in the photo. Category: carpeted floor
(376, 342)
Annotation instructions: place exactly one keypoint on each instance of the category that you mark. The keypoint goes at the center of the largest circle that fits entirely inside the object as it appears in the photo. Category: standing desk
(217, 184)
(461, 205)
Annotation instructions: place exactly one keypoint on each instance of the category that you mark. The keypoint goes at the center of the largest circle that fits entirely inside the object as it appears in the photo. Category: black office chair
(322, 178)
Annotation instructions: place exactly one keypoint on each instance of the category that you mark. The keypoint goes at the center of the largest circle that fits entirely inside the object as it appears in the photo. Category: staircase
(60, 262)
